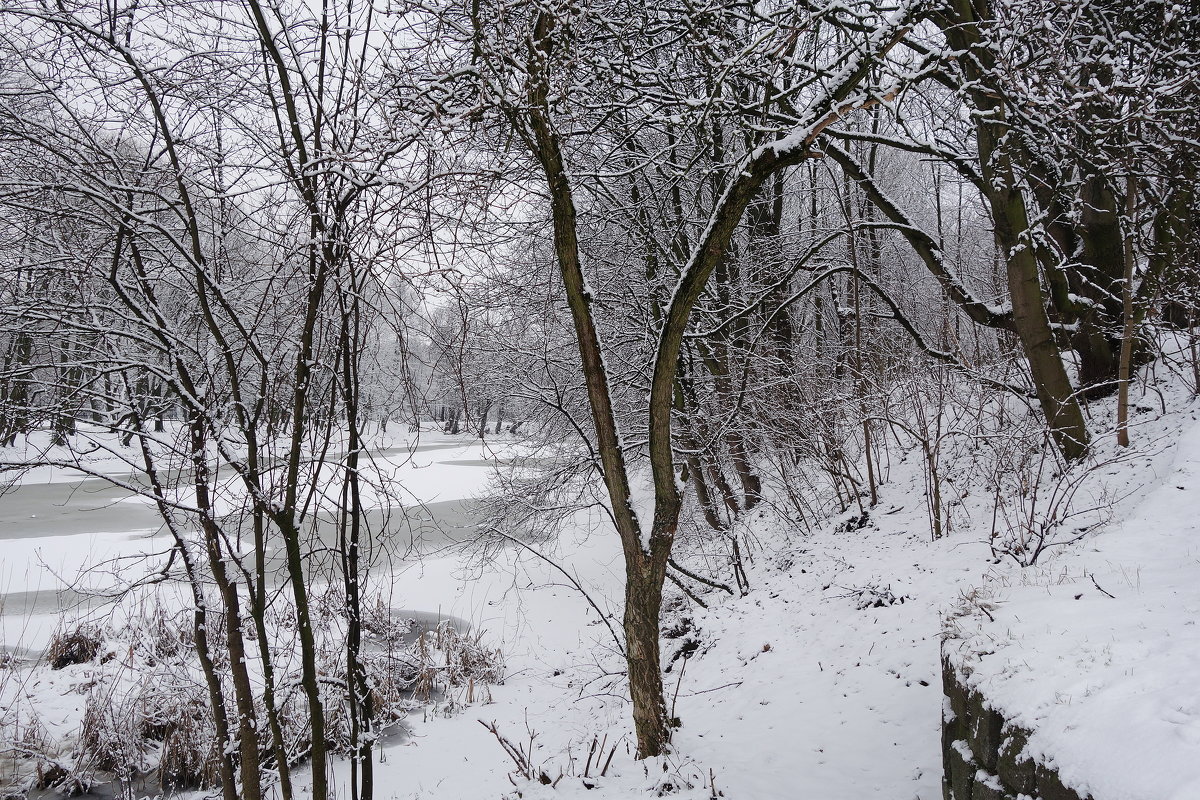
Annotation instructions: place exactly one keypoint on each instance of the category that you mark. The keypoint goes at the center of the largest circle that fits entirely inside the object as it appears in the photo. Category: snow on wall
(985, 756)
(1079, 678)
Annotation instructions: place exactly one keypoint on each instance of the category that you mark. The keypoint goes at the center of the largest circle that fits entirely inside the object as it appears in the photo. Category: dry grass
(78, 645)
(110, 739)
(189, 757)
(146, 716)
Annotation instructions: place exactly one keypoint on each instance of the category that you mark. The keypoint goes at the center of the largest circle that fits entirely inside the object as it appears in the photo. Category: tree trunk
(1128, 331)
(643, 605)
(646, 560)
(243, 692)
(1054, 390)
(1014, 237)
(200, 627)
(641, 618)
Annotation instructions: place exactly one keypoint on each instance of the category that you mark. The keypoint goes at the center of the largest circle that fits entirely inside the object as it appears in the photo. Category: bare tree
(236, 236)
(528, 68)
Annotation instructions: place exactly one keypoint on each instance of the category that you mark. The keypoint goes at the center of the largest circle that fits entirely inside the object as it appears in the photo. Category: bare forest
(376, 377)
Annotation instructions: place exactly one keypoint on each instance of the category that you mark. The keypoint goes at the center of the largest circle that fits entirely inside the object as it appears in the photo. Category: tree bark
(1014, 236)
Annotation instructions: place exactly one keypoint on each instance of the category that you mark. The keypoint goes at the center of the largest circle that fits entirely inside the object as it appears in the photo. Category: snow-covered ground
(794, 690)
(823, 681)
(1097, 651)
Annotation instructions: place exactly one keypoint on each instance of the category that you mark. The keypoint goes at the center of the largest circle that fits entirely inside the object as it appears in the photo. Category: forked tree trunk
(646, 560)
(643, 605)
(643, 593)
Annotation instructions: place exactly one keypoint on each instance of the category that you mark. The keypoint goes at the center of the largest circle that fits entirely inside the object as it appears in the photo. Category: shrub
(77, 646)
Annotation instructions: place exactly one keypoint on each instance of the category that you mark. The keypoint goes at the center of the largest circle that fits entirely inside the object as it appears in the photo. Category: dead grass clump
(449, 659)
(294, 722)
(334, 689)
(392, 674)
(77, 646)
(176, 714)
(25, 748)
(62, 778)
(467, 659)
(32, 739)
(190, 758)
(381, 625)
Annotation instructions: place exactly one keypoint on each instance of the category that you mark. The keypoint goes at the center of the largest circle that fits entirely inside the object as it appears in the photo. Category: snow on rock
(1097, 651)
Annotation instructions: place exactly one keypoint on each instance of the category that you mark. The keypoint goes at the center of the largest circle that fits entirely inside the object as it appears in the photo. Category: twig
(715, 688)
(687, 591)
(699, 578)
(571, 578)
(1098, 586)
(608, 761)
(678, 683)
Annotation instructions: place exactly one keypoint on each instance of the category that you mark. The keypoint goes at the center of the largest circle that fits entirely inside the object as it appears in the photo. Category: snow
(794, 691)
(1109, 685)
(824, 680)
(801, 689)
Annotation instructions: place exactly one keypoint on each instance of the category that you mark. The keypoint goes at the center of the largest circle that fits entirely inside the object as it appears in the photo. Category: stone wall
(983, 754)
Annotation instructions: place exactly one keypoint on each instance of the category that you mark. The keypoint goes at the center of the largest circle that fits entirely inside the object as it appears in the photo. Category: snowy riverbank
(824, 680)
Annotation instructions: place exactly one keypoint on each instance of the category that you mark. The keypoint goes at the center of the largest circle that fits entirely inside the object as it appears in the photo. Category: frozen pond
(64, 538)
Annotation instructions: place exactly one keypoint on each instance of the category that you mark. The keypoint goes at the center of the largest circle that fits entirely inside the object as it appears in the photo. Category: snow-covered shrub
(177, 715)
(1041, 504)
(111, 737)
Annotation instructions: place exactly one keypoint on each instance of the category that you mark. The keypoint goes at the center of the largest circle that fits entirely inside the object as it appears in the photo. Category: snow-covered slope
(824, 681)
(1098, 651)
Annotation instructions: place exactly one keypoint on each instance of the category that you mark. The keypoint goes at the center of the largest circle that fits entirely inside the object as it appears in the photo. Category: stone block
(1051, 787)
(962, 770)
(983, 730)
(989, 789)
(949, 679)
(953, 689)
(950, 732)
(1015, 768)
